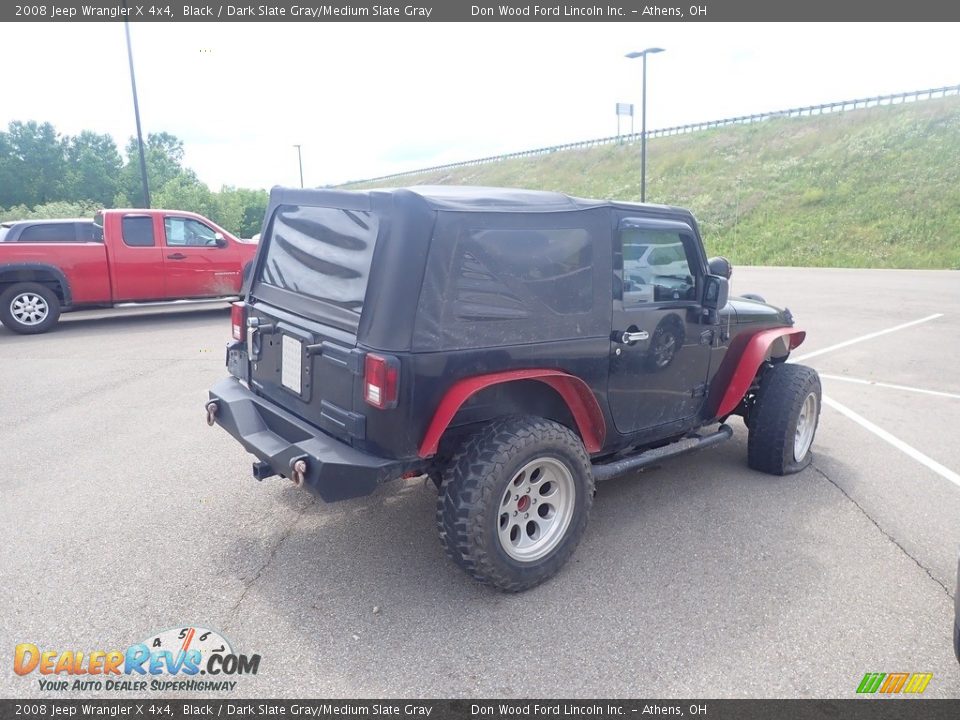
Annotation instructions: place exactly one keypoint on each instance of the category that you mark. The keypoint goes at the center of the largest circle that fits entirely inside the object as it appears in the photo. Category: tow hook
(298, 472)
(212, 409)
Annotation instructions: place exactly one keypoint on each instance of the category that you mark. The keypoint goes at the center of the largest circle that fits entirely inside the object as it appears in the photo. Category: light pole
(300, 160)
(136, 112)
(643, 119)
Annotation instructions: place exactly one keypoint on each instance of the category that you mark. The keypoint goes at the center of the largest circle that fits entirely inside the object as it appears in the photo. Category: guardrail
(825, 108)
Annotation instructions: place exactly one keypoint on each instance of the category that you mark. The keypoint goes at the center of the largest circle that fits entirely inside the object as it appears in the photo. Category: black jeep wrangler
(515, 346)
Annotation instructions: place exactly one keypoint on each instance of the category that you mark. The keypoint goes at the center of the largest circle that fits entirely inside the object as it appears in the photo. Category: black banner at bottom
(853, 709)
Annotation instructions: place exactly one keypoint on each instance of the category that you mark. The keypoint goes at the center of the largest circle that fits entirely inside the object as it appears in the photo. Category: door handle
(177, 256)
(632, 337)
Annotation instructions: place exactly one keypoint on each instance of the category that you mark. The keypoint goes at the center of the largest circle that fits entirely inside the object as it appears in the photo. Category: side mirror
(716, 290)
(220, 240)
(720, 266)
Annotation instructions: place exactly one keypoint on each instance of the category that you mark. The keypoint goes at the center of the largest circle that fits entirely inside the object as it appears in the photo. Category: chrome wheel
(28, 308)
(806, 425)
(536, 509)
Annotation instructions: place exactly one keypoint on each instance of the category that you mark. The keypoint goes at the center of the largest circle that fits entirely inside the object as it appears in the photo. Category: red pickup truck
(124, 256)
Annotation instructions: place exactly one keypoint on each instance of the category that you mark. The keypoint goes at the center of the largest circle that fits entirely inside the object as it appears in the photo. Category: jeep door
(659, 352)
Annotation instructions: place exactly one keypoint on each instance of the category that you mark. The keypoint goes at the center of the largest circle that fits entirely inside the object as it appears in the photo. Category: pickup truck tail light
(238, 320)
(381, 380)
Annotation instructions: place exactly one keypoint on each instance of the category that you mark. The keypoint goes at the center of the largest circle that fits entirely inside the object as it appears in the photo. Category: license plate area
(294, 361)
(291, 364)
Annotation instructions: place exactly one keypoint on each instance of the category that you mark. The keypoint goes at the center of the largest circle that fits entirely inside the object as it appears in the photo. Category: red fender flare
(740, 365)
(574, 391)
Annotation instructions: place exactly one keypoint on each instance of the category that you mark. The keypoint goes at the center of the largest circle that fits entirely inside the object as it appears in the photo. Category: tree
(164, 156)
(32, 164)
(8, 173)
(241, 210)
(44, 175)
(93, 168)
(185, 192)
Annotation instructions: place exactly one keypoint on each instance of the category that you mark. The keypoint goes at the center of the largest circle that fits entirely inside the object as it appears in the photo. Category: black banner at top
(308, 11)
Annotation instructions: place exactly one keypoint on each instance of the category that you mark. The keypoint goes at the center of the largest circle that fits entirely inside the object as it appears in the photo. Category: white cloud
(368, 99)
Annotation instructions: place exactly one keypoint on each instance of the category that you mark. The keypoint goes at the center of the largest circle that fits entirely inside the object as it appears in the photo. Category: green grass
(873, 188)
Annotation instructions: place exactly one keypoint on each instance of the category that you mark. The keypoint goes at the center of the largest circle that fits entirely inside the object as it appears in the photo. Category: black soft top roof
(460, 198)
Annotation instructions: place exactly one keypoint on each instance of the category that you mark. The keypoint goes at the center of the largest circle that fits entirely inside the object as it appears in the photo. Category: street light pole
(643, 119)
(136, 112)
(300, 160)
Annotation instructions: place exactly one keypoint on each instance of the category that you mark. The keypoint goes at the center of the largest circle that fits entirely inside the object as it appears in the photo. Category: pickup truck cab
(130, 256)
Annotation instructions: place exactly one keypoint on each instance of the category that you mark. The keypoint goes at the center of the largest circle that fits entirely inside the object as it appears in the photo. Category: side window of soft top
(553, 266)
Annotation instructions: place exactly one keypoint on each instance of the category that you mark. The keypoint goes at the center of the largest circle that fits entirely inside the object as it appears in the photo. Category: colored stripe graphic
(870, 682)
(894, 683)
(918, 682)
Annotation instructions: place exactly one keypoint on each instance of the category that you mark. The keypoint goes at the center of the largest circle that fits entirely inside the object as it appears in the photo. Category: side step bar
(176, 303)
(605, 471)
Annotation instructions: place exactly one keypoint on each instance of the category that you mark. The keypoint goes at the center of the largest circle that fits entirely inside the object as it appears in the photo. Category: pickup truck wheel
(514, 502)
(783, 420)
(29, 308)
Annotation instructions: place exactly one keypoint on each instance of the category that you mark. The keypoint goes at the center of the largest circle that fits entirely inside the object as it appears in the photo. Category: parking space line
(925, 460)
(893, 386)
(870, 336)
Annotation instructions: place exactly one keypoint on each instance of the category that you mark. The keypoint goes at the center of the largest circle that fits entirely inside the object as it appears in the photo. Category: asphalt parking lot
(125, 514)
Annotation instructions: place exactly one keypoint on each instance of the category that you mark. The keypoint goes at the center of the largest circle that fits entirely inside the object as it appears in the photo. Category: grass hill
(878, 187)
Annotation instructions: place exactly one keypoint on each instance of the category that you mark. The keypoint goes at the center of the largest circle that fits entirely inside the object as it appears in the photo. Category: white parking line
(929, 462)
(851, 341)
(893, 386)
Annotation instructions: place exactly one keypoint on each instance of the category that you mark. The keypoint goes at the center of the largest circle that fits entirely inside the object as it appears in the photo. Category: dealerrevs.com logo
(187, 658)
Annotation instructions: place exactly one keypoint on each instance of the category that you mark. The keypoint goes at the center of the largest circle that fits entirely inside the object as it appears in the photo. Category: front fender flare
(575, 393)
(740, 365)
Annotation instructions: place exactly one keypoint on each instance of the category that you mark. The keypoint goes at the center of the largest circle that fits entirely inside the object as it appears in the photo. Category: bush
(52, 211)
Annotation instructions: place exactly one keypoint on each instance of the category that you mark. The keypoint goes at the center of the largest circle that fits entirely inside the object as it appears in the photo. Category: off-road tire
(475, 481)
(48, 296)
(774, 417)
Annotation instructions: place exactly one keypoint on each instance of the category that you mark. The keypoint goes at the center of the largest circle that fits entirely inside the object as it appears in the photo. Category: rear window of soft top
(321, 252)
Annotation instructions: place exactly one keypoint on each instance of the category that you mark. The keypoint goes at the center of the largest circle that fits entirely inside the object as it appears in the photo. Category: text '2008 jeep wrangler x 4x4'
(515, 346)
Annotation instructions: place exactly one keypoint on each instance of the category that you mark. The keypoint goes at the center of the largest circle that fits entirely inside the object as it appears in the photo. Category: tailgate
(307, 368)
(307, 295)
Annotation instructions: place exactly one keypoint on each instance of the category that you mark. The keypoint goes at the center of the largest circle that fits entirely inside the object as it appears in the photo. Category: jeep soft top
(514, 345)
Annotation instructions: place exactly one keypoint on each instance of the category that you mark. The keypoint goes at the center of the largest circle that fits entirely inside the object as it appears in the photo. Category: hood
(754, 311)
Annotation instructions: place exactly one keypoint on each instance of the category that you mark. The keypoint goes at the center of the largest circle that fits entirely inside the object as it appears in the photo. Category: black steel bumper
(334, 470)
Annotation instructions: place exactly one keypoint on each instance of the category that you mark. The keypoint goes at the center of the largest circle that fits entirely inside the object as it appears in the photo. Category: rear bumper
(335, 471)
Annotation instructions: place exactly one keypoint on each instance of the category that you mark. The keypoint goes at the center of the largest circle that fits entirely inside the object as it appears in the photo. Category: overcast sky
(368, 99)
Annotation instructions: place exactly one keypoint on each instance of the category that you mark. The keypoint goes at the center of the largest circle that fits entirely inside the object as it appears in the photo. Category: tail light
(381, 380)
(238, 320)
